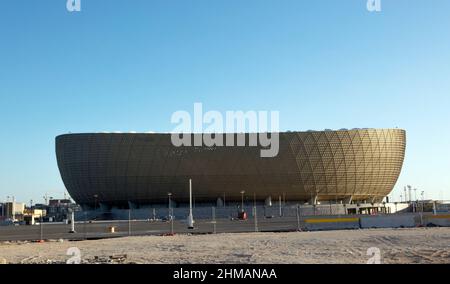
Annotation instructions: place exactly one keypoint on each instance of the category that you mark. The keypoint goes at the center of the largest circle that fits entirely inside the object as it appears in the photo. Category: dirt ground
(418, 245)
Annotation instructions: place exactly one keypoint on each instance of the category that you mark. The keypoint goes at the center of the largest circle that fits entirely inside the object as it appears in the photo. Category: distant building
(32, 215)
(2, 211)
(13, 210)
(58, 209)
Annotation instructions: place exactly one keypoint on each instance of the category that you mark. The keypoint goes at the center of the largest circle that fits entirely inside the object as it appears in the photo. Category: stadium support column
(348, 199)
(268, 201)
(190, 217)
(313, 200)
(132, 205)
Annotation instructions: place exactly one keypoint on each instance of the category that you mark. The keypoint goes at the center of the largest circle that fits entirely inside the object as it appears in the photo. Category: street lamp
(422, 199)
(242, 200)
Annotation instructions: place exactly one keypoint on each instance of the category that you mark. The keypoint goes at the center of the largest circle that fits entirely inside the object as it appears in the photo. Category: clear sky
(128, 65)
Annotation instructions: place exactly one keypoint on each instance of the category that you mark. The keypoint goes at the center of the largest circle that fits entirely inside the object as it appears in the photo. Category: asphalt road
(101, 229)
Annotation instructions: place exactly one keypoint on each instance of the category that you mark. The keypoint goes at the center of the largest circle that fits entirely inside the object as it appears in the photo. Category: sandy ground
(419, 245)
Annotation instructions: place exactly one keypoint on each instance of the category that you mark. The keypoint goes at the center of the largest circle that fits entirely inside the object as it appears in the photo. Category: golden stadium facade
(116, 169)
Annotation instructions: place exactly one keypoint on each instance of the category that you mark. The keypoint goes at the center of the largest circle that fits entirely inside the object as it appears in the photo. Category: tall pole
(170, 215)
(242, 201)
(279, 203)
(214, 219)
(405, 193)
(256, 218)
(409, 191)
(72, 222)
(41, 229)
(298, 218)
(190, 217)
(13, 209)
(421, 213)
(85, 221)
(129, 222)
(95, 201)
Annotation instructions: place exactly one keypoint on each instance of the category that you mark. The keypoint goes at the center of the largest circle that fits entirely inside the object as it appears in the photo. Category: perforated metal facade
(114, 168)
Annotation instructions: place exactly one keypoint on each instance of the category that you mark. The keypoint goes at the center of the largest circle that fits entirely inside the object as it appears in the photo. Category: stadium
(122, 170)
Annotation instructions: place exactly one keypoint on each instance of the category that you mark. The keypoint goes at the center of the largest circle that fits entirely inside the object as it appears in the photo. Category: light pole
(72, 221)
(405, 193)
(242, 200)
(95, 201)
(409, 191)
(421, 213)
(190, 217)
(13, 209)
(422, 193)
(170, 214)
(170, 204)
(280, 206)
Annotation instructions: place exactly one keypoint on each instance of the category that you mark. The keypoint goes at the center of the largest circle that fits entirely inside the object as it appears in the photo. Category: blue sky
(128, 65)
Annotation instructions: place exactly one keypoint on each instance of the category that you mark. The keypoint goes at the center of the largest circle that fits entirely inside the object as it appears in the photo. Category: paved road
(100, 229)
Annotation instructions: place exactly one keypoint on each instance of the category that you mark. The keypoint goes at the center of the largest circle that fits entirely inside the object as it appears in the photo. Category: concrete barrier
(388, 221)
(437, 220)
(317, 224)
